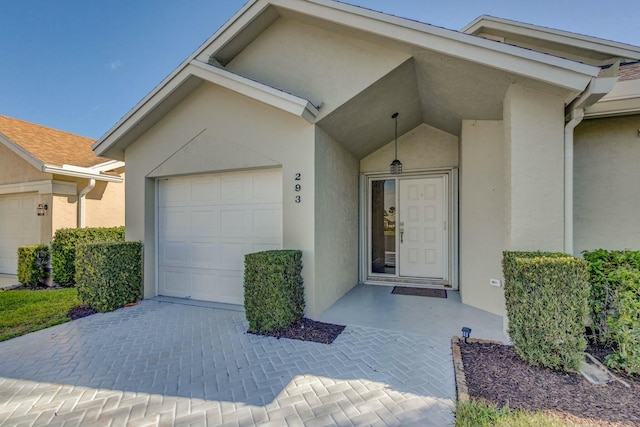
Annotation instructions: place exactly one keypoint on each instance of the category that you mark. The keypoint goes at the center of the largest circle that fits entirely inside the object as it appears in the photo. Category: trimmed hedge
(65, 242)
(273, 290)
(615, 304)
(109, 274)
(31, 263)
(547, 303)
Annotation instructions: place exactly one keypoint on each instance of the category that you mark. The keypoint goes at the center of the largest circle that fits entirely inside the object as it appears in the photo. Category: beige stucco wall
(607, 184)
(305, 60)
(424, 147)
(483, 231)
(214, 130)
(336, 228)
(105, 204)
(64, 212)
(534, 136)
(15, 169)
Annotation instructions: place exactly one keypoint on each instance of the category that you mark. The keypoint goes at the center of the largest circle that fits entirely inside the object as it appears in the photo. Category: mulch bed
(80, 312)
(309, 330)
(495, 373)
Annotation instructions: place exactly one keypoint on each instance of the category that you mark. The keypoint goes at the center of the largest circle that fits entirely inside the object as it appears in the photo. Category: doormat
(421, 292)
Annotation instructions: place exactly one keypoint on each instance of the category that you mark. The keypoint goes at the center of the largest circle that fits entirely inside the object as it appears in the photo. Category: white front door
(422, 227)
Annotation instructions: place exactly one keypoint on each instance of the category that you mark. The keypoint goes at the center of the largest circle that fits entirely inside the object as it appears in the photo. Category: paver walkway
(160, 363)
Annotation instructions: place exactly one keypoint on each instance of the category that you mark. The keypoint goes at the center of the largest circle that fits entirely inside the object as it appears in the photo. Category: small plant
(31, 263)
(109, 275)
(547, 303)
(273, 290)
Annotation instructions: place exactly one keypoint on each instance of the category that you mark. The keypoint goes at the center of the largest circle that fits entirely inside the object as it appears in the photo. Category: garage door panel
(267, 222)
(20, 226)
(207, 234)
(203, 255)
(205, 223)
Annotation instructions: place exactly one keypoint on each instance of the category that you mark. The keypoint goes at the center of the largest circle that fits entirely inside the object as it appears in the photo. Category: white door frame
(451, 280)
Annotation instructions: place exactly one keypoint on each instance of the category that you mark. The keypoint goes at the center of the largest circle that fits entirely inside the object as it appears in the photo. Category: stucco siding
(64, 212)
(314, 63)
(216, 130)
(105, 204)
(483, 231)
(336, 229)
(17, 170)
(607, 184)
(534, 133)
(424, 147)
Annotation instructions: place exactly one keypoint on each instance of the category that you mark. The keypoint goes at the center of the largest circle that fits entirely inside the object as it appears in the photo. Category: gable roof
(257, 15)
(53, 151)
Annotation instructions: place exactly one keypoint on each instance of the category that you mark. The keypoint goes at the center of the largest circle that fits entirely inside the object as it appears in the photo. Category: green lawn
(27, 311)
(479, 414)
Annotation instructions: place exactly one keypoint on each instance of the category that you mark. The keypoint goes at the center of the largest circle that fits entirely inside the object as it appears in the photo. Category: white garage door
(207, 223)
(19, 226)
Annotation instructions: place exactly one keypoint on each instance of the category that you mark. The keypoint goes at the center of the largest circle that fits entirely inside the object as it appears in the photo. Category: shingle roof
(629, 71)
(50, 146)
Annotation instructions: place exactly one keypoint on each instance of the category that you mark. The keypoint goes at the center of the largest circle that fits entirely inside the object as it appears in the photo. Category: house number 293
(297, 187)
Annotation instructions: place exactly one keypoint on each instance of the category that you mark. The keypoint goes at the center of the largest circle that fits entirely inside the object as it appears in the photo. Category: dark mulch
(309, 330)
(81, 311)
(38, 287)
(495, 373)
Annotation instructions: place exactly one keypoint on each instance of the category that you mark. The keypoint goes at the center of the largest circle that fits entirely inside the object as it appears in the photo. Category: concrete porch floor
(375, 306)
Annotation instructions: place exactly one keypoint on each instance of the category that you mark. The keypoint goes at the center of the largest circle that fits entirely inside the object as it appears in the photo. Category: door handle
(401, 231)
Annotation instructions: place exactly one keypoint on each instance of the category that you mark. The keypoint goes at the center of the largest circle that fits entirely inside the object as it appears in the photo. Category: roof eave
(21, 152)
(208, 73)
(79, 172)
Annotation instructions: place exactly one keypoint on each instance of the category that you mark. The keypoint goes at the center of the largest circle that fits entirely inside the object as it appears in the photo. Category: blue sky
(80, 65)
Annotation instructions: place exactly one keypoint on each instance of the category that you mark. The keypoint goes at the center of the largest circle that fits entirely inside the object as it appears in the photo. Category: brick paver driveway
(160, 363)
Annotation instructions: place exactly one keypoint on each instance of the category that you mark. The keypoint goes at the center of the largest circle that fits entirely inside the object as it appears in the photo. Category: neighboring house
(277, 132)
(51, 179)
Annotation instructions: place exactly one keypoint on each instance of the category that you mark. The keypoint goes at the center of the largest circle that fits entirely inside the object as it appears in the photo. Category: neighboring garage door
(207, 223)
(19, 226)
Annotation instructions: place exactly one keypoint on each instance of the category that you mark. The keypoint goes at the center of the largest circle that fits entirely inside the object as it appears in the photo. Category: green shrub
(31, 263)
(547, 302)
(615, 304)
(273, 290)
(63, 249)
(109, 274)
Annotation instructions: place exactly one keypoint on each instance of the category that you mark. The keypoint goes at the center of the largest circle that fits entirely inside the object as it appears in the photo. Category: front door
(422, 227)
(408, 227)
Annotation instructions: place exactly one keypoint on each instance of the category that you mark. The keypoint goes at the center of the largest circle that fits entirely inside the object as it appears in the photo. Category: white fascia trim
(21, 152)
(609, 47)
(107, 166)
(558, 71)
(622, 100)
(79, 172)
(252, 89)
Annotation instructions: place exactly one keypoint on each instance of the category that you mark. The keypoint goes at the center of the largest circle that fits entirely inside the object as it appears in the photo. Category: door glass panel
(383, 226)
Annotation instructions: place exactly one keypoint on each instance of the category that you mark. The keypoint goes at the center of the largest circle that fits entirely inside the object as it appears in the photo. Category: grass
(27, 311)
(474, 413)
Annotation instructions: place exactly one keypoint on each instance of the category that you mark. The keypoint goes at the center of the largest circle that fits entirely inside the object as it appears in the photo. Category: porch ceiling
(431, 88)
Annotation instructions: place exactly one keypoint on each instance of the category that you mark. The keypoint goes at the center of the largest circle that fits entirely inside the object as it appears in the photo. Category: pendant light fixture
(396, 165)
